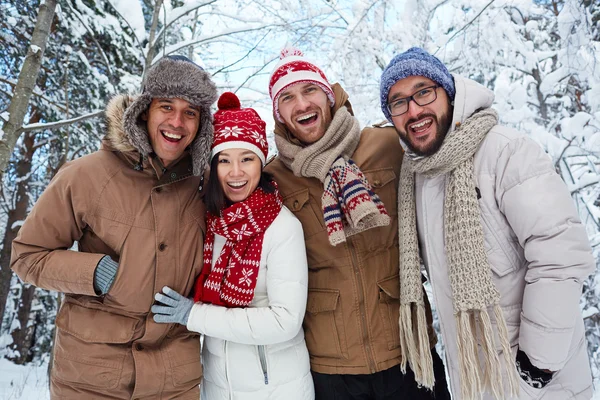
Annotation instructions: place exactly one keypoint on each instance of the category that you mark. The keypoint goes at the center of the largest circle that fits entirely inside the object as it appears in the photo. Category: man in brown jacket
(342, 184)
(135, 209)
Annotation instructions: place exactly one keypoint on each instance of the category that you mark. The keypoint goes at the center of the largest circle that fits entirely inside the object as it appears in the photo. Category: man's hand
(176, 308)
(534, 376)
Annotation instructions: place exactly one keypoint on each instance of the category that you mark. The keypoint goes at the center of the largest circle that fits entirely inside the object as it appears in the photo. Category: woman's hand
(176, 308)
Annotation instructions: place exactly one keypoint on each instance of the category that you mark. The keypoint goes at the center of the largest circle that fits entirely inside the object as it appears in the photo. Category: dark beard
(443, 125)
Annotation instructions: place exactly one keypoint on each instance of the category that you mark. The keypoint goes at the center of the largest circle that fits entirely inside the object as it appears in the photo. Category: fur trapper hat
(175, 77)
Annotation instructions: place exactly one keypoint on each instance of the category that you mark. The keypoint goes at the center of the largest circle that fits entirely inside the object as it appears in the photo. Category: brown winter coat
(152, 224)
(351, 321)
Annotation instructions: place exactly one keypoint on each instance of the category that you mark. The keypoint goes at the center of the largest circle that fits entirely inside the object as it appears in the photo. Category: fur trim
(114, 123)
(175, 79)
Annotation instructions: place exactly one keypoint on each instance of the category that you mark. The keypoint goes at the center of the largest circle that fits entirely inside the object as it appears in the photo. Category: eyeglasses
(424, 96)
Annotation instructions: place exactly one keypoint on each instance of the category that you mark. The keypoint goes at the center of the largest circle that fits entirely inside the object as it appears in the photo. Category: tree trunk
(151, 44)
(24, 336)
(19, 213)
(25, 84)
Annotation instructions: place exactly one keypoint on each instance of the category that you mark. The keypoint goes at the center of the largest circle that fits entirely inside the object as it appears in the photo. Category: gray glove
(176, 307)
(104, 275)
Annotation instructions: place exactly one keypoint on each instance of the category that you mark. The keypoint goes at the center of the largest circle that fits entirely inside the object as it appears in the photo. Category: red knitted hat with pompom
(238, 128)
(294, 68)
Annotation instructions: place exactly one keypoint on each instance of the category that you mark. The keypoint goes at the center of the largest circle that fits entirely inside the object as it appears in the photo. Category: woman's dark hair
(215, 199)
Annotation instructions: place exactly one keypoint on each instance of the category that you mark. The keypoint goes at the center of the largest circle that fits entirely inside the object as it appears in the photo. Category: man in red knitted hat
(341, 183)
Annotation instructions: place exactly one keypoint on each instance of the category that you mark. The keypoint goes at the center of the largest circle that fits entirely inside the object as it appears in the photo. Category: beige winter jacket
(351, 321)
(150, 223)
(536, 246)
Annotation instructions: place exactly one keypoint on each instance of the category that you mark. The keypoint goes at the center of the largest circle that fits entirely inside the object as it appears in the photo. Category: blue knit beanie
(414, 62)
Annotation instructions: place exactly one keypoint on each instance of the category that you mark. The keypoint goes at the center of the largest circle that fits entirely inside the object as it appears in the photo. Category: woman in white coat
(251, 296)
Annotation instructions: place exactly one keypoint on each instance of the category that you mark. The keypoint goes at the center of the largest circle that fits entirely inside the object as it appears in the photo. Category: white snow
(131, 10)
(35, 48)
(23, 382)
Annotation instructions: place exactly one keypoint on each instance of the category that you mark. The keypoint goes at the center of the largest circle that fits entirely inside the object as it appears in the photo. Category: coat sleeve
(287, 290)
(539, 209)
(40, 253)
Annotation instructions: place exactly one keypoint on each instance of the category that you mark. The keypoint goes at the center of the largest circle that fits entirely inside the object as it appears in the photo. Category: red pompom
(228, 101)
(289, 52)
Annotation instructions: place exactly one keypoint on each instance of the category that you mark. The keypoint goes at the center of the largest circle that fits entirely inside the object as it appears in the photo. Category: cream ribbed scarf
(473, 290)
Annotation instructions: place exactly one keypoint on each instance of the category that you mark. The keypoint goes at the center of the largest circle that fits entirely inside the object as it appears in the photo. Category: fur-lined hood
(115, 134)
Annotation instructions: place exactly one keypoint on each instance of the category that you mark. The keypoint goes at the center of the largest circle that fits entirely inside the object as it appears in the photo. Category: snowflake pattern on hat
(237, 127)
(294, 68)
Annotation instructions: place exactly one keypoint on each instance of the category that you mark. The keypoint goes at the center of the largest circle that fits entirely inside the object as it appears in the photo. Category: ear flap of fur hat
(175, 77)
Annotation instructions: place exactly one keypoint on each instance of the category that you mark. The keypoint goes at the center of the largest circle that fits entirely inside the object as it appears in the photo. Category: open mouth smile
(421, 127)
(171, 137)
(307, 119)
(237, 185)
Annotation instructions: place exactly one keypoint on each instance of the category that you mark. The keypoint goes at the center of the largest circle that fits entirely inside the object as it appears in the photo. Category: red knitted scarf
(231, 281)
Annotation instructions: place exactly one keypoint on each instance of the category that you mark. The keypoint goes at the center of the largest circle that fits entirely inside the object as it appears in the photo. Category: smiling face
(421, 128)
(172, 126)
(239, 173)
(304, 108)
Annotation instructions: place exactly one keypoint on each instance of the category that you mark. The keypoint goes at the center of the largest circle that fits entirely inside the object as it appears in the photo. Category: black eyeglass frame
(412, 97)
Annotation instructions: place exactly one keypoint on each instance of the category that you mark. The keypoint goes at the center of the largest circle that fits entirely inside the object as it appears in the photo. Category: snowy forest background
(61, 60)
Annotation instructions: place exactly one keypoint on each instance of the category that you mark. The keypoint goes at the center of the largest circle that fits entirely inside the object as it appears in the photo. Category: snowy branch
(181, 11)
(468, 23)
(178, 46)
(58, 124)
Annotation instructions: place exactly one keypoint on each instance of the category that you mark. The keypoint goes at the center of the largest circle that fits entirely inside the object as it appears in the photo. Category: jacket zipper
(263, 362)
(361, 305)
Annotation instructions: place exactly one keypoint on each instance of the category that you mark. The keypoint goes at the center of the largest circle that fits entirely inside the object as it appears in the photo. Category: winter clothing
(351, 324)
(294, 68)
(105, 274)
(231, 280)
(176, 308)
(174, 77)
(534, 243)
(470, 275)
(348, 202)
(119, 203)
(237, 127)
(259, 352)
(391, 384)
(414, 61)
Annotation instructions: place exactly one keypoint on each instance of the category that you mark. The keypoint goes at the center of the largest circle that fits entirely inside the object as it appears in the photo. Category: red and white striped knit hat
(238, 128)
(291, 69)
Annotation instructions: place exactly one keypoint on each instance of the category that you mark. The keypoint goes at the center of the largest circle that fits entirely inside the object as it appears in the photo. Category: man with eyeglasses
(505, 252)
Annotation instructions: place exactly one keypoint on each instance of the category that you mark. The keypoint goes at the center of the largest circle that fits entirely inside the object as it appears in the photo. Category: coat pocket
(305, 209)
(91, 346)
(183, 351)
(385, 184)
(324, 324)
(389, 309)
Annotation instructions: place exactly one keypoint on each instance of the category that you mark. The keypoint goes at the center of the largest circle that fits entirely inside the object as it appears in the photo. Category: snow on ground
(23, 382)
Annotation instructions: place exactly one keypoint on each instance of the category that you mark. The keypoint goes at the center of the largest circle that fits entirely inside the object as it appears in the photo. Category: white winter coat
(536, 245)
(259, 352)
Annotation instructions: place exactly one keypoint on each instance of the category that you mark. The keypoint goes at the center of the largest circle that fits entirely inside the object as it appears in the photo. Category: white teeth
(237, 184)
(305, 117)
(421, 124)
(171, 135)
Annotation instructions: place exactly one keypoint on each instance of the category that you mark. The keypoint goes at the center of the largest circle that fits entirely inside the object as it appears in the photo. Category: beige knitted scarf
(349, 204)
(473, 290)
